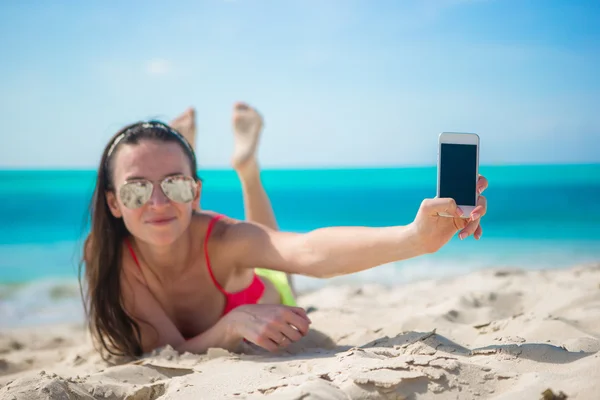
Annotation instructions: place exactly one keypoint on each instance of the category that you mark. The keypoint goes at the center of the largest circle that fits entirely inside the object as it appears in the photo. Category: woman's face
(159, 220)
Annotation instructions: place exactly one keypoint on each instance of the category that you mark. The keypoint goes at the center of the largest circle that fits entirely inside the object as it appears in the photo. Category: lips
(160, 221)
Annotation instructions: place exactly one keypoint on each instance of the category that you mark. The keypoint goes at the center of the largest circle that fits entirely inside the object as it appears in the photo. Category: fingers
(291, 333)
(441, 206)
(480, 210)
(473, 227)
(301, 312)
(300, 322)
(482, 184)
(277, 337)
(283, 327)
(469, 229)
(269, 341)
(478, 232)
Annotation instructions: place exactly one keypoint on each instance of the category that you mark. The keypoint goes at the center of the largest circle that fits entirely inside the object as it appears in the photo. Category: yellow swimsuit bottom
(280, 281)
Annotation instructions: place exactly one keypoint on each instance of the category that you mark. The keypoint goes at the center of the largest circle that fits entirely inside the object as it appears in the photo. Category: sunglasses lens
(135, 194)
(180, 189)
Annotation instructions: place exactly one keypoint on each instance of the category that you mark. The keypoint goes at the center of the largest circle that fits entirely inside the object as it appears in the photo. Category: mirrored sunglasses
(180, 189)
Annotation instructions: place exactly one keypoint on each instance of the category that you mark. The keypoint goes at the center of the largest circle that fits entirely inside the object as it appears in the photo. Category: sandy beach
(493, 334)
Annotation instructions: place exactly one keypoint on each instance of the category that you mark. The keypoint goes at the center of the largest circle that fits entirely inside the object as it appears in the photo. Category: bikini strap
(211, 225)
(132, 253)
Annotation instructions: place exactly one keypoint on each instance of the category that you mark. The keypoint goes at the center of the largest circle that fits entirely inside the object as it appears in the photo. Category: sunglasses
(178, 188)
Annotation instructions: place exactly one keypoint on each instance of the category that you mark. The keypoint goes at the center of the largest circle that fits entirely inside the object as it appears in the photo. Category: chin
(159, 234)
(161, 240)
(163, 236)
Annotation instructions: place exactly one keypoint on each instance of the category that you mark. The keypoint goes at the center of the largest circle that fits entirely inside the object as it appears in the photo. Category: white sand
(501, 334)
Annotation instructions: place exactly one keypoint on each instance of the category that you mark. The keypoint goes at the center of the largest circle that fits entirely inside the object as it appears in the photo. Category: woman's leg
(247, 126)
(186, 125)
(257, 205)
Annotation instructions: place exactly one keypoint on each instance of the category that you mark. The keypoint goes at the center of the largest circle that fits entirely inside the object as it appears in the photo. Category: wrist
(417, 242)
(231, 327)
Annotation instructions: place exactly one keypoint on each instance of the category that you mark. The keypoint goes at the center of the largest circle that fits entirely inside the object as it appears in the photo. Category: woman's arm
(157, 329)
(220, 335)
(329, 252)
(322, 253)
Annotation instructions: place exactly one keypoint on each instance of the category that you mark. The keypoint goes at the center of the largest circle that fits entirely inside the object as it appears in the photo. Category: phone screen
(458, 170)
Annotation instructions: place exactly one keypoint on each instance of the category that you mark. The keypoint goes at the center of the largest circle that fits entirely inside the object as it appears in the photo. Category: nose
(158, 198)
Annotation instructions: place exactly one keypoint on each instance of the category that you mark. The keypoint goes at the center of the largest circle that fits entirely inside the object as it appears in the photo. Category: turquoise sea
(543, 216)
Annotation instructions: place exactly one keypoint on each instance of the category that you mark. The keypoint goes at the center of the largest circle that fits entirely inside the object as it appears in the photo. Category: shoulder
(227, 237)
(218, 226)
(128, 267)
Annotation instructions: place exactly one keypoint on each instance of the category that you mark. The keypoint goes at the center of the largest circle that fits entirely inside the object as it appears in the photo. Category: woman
(160, 271)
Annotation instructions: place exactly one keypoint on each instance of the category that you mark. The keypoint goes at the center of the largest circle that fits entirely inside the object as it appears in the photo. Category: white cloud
(158, 67)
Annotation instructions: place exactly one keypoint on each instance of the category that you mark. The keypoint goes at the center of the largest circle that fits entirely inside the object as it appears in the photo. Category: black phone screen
(458, 172)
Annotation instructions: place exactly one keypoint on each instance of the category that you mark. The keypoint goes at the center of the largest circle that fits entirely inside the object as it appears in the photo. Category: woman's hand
(434, 231)
(271, 327)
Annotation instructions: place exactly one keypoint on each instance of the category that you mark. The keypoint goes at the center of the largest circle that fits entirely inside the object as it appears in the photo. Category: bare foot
(186, 125)
(247, 125)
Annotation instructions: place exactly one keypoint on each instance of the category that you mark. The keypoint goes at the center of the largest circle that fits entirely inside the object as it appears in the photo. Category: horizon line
(304, 168)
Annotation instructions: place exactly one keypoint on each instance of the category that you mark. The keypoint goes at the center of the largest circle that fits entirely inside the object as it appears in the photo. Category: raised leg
(186, 125)
(247, 126)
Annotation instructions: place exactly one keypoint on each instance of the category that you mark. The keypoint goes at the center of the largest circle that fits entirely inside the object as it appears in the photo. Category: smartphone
(458, 170)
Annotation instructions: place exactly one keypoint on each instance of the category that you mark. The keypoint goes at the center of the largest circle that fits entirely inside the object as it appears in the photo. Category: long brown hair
(113, 330)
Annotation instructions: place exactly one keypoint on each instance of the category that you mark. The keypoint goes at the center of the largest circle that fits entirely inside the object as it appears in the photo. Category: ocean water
(545, 216)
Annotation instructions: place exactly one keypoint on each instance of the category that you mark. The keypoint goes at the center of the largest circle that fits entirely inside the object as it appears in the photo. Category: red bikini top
(250, 295)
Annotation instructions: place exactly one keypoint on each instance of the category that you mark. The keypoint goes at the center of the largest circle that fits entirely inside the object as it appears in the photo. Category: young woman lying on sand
(159, 271)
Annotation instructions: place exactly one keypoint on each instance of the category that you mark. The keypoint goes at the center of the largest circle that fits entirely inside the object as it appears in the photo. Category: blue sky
(340, 83)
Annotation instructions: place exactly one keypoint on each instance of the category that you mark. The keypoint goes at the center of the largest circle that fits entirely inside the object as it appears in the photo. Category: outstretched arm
(329, 252)
(322, 253)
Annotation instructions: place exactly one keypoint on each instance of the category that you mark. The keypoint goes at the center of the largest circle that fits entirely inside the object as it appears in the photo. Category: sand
(493, 334)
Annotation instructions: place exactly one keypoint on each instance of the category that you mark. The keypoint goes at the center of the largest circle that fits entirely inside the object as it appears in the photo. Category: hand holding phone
(458, 170)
